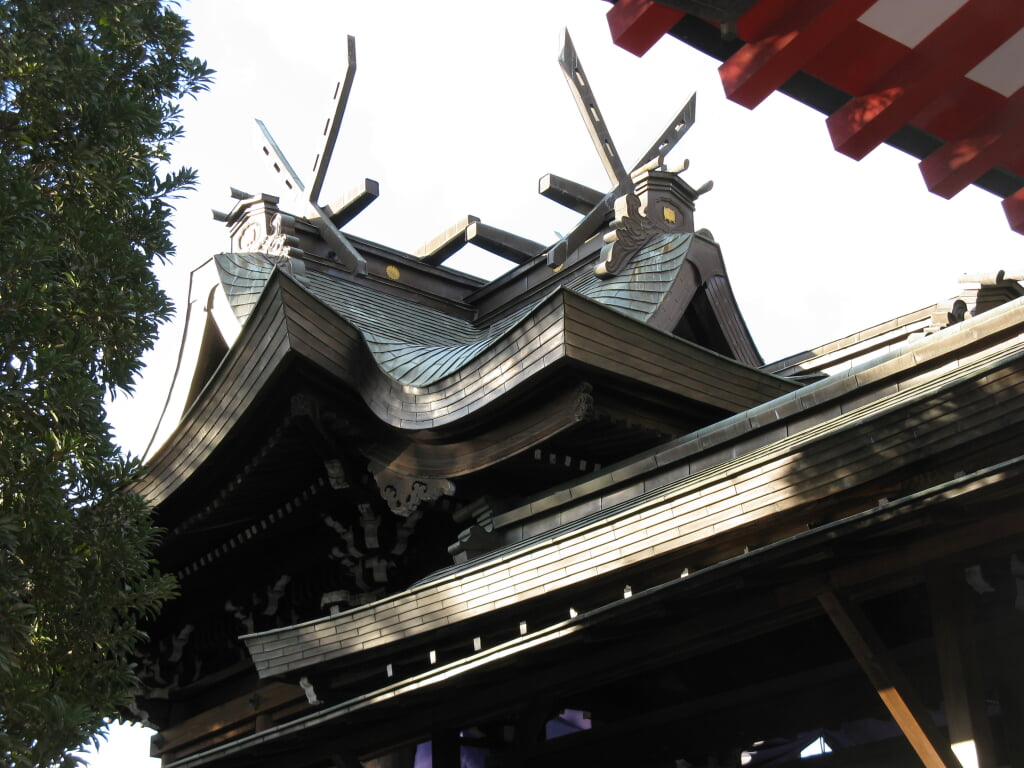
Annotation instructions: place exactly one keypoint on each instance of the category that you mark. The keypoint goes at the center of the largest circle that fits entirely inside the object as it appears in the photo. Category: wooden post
(1006, 642)
(892, 686)
(970, 732)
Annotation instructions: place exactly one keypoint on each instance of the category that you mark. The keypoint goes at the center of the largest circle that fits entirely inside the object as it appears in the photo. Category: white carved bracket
(403, 493)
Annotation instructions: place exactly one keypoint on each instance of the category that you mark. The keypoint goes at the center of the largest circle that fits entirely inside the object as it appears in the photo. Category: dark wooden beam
(1005, 638)
(353, 202)
(573, 195)
(502, 243)
(447, 243)
(893, 688)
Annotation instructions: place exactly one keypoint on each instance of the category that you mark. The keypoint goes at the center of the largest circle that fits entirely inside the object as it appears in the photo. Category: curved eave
(770, 487)
(565, 329)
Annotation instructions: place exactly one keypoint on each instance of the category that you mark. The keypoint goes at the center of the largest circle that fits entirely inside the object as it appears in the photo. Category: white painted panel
(1003, 70)
(909, 21)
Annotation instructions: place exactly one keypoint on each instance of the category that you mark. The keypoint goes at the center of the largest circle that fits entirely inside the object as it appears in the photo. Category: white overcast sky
(459, 107)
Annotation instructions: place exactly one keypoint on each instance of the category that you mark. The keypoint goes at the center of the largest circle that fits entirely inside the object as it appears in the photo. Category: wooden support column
(892, 686)
(970, 732)
(1005, 642)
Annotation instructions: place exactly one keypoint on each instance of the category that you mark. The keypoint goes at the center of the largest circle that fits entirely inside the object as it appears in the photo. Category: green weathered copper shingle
(418, 345)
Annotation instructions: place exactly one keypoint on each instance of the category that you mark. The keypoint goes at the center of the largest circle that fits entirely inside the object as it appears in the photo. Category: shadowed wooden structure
(568, 516)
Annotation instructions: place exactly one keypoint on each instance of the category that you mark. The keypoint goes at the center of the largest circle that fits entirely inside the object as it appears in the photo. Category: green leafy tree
(89, 94)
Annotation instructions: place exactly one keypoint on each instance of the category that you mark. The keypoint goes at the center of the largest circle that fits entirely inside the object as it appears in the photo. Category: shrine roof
(418, 345)
(701, 487)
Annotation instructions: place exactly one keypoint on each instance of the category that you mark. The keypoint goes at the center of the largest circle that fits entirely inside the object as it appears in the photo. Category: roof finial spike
(339, 101)
(668, 138)
(309, 201)
(591, 113)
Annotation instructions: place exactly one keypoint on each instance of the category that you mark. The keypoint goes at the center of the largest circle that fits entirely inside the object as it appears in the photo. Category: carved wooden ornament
(403, 493)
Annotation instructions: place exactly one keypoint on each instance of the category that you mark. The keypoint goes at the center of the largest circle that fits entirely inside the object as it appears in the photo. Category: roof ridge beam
(946, 54)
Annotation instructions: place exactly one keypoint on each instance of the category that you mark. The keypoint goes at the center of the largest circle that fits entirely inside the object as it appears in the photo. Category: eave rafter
(785, 42)
(996, 140)
(946, 54)
(947, 72)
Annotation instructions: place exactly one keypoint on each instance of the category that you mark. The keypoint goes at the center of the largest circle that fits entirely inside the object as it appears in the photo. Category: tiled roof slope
(419, 345)
(691, 495)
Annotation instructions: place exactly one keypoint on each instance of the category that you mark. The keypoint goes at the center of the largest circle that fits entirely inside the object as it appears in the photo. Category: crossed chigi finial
(622, 197)
(595, 207)
(323, 217)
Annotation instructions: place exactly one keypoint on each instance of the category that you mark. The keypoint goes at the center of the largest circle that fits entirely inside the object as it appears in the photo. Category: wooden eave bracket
(1013, 207)
(934, 65)
(782, 45)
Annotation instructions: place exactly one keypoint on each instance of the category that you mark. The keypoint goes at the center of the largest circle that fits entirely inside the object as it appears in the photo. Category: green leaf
(88, 109)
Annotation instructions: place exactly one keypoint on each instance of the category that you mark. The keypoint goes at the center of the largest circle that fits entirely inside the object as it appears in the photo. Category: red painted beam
(959, 110)
(637, 25)
(1014, 209)
(952, 50)
(756, 70)
(763, 17)
(855, 60)
(957, 164)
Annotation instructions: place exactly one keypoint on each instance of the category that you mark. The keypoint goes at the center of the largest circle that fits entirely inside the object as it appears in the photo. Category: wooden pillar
(970, 732)
(1007, 641)
(893, 687)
